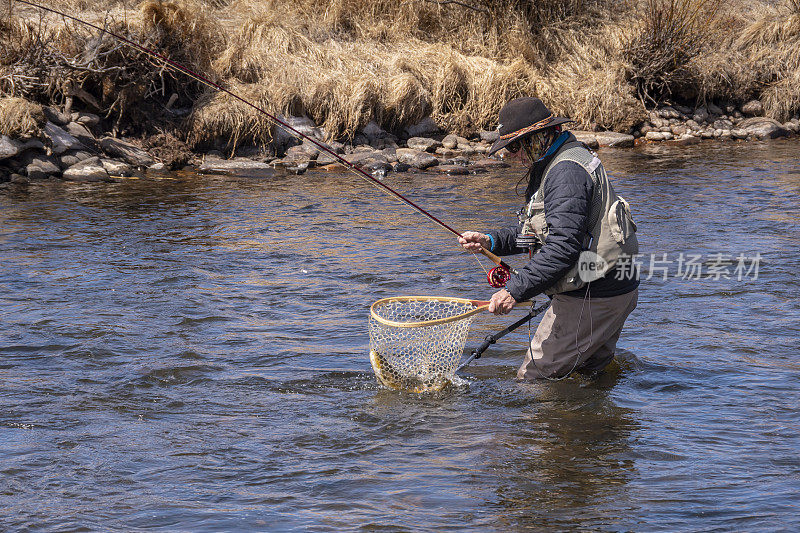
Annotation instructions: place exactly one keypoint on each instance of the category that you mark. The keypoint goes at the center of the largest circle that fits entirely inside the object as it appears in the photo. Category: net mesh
(422, 357)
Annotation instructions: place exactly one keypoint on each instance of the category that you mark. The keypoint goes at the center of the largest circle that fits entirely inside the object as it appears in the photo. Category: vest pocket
(621, 221)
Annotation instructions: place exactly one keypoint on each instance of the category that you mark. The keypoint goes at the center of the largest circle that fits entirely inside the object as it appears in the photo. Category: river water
(191, 354)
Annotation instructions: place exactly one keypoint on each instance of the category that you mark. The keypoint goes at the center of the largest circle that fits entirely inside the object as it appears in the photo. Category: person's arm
(567, 204)
(499, 242)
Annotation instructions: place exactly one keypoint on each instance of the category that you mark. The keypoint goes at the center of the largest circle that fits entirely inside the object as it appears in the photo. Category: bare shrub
(671, 35)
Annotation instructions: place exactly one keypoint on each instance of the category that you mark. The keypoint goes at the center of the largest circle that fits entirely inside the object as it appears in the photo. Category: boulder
(423, 144)
(81, 133)
(9, 147)
(714, 110)
(425, 127)
(489, 136)
(654, 136)
(453, 170)
(614, 140)
(374, 132)
(73, 158)
(40, 167)
(763, 128)
(701, 115)
(237, 167)
(126, 151)
(739, 133)
(55, 116)
(753, 108)
(490, 164)
(588, 138)
(450, 142)
(686, 139)
(88, 170)
(368, 160)
(60, 140)
(86, 119)
(416, 158)
(117, 168)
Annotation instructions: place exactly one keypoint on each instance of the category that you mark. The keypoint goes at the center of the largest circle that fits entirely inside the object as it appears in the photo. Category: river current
(190, 353)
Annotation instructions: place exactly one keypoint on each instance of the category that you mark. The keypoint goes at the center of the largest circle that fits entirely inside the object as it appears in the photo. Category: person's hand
(501, 303)
(473, 241)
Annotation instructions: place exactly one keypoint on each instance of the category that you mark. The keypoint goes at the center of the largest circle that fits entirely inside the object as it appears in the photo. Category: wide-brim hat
(521, 117)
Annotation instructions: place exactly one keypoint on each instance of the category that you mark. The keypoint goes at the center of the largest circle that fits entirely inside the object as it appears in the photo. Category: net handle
(480, 305)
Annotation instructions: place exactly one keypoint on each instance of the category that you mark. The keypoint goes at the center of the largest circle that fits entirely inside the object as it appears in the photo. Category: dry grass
(20, 118)
(346, 62)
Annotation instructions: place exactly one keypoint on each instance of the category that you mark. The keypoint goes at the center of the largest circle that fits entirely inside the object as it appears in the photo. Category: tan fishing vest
(612, 231)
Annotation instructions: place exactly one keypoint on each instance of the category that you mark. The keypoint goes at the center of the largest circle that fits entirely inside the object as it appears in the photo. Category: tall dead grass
(346, 62)
(20, 118)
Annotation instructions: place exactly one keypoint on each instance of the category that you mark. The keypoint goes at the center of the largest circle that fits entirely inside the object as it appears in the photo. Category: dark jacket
(567, 203)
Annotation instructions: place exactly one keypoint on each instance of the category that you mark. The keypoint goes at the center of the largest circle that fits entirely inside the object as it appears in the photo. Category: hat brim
(499, 144)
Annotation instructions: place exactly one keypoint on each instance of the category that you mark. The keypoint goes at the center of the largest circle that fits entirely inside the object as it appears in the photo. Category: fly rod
(497, 276)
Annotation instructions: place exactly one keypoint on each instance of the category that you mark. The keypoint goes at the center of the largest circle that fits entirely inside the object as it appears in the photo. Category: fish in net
(416, 342)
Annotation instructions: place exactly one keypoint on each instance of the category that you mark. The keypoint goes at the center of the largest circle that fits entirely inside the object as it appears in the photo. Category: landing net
(416, 342)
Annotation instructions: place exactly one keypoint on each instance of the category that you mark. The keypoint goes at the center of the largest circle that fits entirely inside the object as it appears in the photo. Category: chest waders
(612, 231)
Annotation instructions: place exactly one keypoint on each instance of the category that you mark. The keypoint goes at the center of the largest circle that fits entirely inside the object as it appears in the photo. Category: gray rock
(489, 136)
(89, 170)
(453, 170)
(55, 116)
(400, 167)
(668, 112)
(306, 126)
(792, 126)
(722, 124)
(739, 133)
(693, 125)
(450, 142)
(40, 167)
(714, 110)
(86, 119)
(701, 115)
(730, 108)
(302, 152)
(679, 129)
(687, 139)
(707, 133)
(364, 159)
(9, 147)
(390, 154)
(126, 151)
(665, 129)
(425, 127)
(654, 136)
(753, 108)
(60, 140)
(446, 152)
(587, 137)
(668, 136)
(157, 167)
(81, 133)
(615, 140)
(490, 163)
(117, 168)
(19, 179)
(33, 144)
(764, 128)
(237, 167)
(725, 135)
(374, 132)
(658, 122)
(424, 144)
(416, 158)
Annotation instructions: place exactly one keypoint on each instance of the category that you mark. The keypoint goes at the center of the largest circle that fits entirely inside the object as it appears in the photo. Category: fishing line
(495, 276)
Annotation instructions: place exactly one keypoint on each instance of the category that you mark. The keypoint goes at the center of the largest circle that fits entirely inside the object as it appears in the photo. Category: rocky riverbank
(74, 147)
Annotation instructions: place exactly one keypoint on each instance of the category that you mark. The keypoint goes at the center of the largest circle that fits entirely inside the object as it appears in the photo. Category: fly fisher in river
(580, 238)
